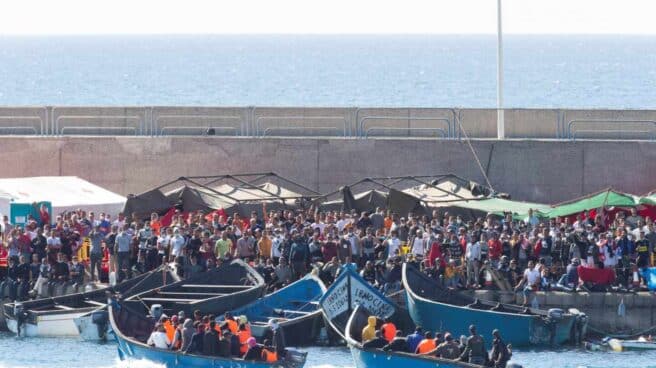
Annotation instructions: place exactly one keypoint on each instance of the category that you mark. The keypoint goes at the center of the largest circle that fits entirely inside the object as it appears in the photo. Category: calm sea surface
(67, 353)
(437, 71)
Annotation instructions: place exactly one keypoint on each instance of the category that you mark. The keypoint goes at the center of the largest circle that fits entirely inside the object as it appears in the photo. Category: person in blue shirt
(415, 338)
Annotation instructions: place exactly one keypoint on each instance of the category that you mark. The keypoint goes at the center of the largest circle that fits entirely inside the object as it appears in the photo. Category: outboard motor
(101, 318)
(156, 311)
(21, 317)
(555, 314)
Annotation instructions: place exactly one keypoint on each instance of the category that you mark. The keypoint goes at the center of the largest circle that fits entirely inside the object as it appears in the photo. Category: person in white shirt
(473, 258)
(393, 244)
(418, 245)
(177, 243)
(159, 339)
(530, 281)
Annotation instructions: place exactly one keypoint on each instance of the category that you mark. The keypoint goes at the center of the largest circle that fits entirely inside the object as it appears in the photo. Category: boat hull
(55, 325)
(380, 359)
(520, 330)
(90, 331)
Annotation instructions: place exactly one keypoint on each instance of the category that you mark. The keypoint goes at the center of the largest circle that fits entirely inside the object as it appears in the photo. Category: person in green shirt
(223, 246)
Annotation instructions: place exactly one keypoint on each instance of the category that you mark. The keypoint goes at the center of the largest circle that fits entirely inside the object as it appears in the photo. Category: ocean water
(66, 353)
(287, 70)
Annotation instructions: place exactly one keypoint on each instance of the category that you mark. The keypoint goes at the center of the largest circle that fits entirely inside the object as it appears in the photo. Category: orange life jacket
(243, 336)
(170, 330)
(269, 356)
(389, 331)
(425, 346)
(233, 326)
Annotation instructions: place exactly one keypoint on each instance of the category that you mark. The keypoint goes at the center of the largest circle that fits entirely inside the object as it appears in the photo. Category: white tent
(66, 193)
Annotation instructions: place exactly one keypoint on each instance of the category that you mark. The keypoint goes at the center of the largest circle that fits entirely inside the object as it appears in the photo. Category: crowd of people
(528, 254)
(469, 349)
(208, 336)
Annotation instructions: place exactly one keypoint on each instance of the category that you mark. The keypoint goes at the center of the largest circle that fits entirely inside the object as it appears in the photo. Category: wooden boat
(225, 288)
(295, 307)
(349, 291)
(439, 309)
(132, 329)
(55, 316)
(376, 358)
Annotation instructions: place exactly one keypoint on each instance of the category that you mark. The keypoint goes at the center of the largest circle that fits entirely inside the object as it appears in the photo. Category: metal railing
(345, 122)
(570, 134)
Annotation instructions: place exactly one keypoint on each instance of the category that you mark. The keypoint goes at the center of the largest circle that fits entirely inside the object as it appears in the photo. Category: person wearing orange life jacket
(176, 341)
(389, 330)
(168, 328)
(233, 326)
(269, 354)
(244, 334)
(427, 344)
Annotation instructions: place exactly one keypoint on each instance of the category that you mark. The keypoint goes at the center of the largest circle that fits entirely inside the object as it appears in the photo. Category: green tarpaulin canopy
(498, 206)
(606, 198)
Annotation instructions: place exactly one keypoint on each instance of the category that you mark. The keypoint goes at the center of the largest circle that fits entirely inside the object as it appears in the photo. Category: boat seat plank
(292, 311)
(63, 307)
(93, 302)
(183, 293)
(170, 300)
(216, 286)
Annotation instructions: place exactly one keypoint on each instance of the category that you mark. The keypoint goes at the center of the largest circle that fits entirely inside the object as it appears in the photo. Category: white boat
(631, 345)
(94, 326)
(54, 317)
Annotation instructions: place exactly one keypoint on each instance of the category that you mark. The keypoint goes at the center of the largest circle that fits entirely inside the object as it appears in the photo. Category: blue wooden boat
(132, 330)
(295, 307)
(349, 291)
(376, 358)
(439, 309)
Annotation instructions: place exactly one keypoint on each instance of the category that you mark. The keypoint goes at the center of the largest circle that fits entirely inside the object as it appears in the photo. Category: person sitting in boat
(254, 351)
(244, 334)
(269, 354)
(398, 344)
(414, 339)
(378, 342)
(158, 338)
(475, 352)
(211, 341)
(231, 323)
(277, 338)
(224, 345)
(183, 334)
(234, 342)
(500, 354)
(369, 331)
(449, 349)
(389, 330)
(196, 344)
(427, 344)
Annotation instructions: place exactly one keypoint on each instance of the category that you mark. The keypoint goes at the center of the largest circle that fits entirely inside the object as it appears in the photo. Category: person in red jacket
(494, 250)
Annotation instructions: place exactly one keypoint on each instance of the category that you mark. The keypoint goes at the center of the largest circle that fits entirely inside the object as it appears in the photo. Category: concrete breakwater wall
(601, 308)
(533, 170)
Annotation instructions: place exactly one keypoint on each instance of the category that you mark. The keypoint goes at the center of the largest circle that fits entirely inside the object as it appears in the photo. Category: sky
(53, 17)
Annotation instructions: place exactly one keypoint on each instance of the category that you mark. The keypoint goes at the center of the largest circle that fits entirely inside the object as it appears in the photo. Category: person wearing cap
(449, 349)
(474, 352)
(277, 337)
(500, 354)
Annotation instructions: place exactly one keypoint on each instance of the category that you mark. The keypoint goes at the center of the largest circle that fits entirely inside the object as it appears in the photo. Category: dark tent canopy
(146, 203)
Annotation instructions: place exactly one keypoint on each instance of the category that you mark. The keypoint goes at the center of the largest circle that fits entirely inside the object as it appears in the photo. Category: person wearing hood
(369, 331)
(254, 351)
(277, 338)
(196, 342)
(185, 334)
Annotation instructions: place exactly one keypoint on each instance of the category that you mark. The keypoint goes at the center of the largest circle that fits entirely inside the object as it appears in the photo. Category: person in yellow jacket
(369, 331)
